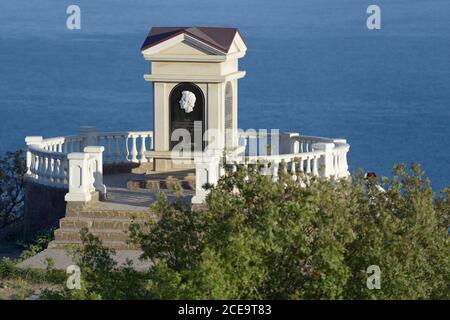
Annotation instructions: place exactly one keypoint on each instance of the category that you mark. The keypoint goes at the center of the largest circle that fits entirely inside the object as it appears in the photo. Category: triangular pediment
(185, 48)
(192, 46)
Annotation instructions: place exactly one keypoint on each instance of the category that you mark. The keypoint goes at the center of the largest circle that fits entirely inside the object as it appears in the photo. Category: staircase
(110, 220)
(110, 226)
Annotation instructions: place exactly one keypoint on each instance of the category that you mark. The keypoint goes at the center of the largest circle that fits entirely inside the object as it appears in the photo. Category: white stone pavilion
(194, 73)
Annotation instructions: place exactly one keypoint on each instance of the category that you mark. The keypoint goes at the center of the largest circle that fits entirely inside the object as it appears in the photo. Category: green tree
(306, 239)
(401, 231)
(12, 171)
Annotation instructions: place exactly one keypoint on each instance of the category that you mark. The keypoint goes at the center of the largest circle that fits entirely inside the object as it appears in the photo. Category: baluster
(301, 166)
(49, 173)
(293, 170)
(133, 149)
(33, 164)
(61, 170)
(126, 151)
(44, 170)
(143, 150)
(338, 164)
(55, 170)
(39, 168)
(275, 166)
(308, 165)
(285, 167)
(65, 171)
(116, 149)
(315, 166)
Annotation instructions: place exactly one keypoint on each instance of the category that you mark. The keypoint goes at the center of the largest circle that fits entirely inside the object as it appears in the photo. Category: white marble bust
(187, 101)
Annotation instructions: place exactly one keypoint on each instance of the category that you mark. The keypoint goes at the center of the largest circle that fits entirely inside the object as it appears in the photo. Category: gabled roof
(219, 38)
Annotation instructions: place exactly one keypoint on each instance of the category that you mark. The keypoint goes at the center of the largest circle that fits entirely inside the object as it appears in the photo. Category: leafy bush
(286, 240)
(101, 277)
(9, 270)
(12, 171)
(37, 245)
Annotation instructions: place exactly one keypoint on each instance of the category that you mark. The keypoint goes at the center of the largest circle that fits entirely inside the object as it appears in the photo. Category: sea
(313, 66)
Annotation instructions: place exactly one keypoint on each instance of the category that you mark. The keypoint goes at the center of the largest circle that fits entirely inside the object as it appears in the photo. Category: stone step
(119, 214)
(73, 234)
(117, 245)
(161, 184)
(98, 223)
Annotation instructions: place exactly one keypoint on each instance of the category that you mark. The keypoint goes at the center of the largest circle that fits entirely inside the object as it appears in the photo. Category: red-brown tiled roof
(219, 38)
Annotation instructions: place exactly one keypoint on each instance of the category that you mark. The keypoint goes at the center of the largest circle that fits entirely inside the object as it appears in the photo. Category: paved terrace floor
(119, 197)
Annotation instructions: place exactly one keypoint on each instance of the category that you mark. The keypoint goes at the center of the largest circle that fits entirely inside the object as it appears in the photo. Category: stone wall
(44, 206)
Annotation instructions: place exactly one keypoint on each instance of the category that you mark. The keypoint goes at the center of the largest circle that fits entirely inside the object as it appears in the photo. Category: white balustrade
(76, 162)
(298, 156)
(126, 146)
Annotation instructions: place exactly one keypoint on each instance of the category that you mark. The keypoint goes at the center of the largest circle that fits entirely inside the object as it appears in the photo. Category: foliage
(101, 277)
(403, 232)
(37, 245)
(285, 240)
(9, 270)
(12, 171)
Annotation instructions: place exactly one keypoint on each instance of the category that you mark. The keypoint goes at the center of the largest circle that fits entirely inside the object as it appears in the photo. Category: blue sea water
(312, 66)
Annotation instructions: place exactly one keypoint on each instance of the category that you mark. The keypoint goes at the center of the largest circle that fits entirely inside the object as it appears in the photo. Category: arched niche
(184, 118)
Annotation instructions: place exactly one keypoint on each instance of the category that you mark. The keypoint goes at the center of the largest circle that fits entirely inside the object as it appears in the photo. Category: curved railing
(76, 161)
(309, 154)
(294, 154)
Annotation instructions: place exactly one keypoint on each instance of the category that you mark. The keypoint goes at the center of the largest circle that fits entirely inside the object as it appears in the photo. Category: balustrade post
(78, 178)
(31, 140)
(96, 153)
(326, 161)
(207, 170)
